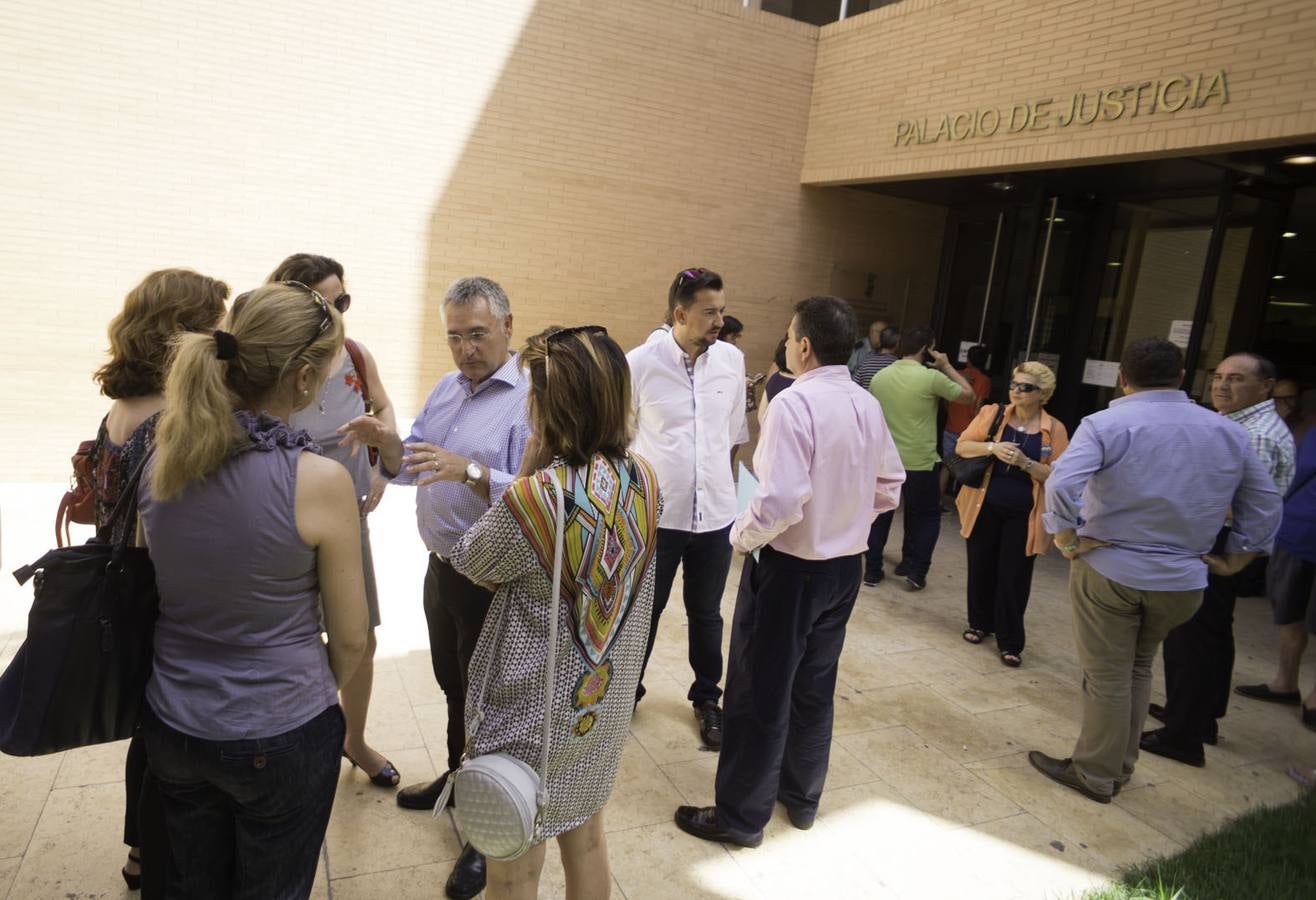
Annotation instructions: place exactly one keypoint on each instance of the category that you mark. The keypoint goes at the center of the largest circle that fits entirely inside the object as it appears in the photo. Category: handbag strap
(996, 423)
(126, 506)
(553, 613)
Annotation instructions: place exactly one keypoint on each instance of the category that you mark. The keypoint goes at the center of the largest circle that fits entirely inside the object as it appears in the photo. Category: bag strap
(992, 433)
(553, 612)
(359, 363)
(126, 507)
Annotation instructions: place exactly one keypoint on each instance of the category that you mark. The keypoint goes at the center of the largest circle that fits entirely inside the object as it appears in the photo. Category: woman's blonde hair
(161, 305)
(270, 332)
(580, 393)
(1046, 379)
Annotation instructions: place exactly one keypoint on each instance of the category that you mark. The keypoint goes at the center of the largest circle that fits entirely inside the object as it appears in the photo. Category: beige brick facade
(579, 151)
(924, 59)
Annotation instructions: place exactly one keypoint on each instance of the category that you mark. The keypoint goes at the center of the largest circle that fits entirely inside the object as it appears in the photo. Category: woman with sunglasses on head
(1002, 518)
(254, 537)
(580, 414)
(163, 304)
(341, 399)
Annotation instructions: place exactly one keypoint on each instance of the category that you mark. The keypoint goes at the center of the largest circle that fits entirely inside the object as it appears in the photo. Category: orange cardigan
(1054, 441)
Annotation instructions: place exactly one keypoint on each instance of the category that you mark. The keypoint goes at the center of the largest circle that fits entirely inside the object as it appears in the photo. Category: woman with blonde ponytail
(252, 533)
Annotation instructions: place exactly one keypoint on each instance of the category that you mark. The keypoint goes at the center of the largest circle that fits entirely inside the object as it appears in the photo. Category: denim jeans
(705, 559)
(921, 496)
(246, 819)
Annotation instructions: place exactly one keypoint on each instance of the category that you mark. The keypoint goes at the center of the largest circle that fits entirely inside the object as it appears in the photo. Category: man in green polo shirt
(909, 391)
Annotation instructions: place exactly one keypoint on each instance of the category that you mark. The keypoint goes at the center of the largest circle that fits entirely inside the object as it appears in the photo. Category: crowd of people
(266, 438)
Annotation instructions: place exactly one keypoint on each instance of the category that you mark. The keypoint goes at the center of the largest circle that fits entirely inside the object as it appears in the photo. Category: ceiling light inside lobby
(1001, 185)
(1289, 234)
(1301, 159)
(1114, 264)
(1276, 277)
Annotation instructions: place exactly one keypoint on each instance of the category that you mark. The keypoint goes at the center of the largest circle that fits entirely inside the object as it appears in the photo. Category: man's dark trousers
(455, 608)
(786, 641)
(921, 496)
(1199, 663)
(705, 559)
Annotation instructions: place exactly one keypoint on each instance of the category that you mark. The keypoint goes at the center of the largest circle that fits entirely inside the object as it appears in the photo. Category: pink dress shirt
(826, 466)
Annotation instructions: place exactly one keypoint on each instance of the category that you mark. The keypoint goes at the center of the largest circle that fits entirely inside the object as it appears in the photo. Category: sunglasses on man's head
(688, 275)
(1023, 387)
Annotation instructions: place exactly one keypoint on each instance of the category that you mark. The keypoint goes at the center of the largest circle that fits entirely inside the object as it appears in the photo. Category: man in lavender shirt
(465, 448)
(1136, 503)
(821, 440)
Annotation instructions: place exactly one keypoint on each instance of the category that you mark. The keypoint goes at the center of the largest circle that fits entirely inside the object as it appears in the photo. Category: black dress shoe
(423, 795)
(467, 878)
(1157, 743)
(1062, 771)
(873, 577)
(709, 715)
(801, 818)
(702, 822)
(902, 569)
(1212, 736)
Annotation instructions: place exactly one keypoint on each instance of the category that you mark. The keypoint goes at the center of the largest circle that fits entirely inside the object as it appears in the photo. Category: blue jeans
(246, 819)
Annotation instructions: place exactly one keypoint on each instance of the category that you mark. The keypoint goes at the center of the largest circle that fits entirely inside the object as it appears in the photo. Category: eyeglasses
(1023, 387)
(326, 317)
(589, 330)
(475, 338)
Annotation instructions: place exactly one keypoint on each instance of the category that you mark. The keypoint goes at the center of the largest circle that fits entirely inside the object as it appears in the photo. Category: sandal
(386, 777)
(1012, 660)
(974, 635)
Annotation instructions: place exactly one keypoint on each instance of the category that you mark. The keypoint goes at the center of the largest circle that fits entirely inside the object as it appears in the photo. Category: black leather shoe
(1212, 737)
(709, 715)
(902, 569)
(702, 823)
(423, 795)
(801, 818)
(1157, 743)
(873, 577)
(916, 582)
(467, 878)
(1062, 771)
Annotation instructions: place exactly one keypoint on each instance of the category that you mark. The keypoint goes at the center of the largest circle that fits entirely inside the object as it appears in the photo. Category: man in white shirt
(689, 394)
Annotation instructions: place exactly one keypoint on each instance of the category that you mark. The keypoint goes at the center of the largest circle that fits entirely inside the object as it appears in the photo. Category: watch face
(473, 472)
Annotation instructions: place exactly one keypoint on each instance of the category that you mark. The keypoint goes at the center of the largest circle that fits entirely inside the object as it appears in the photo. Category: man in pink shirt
(828, 467)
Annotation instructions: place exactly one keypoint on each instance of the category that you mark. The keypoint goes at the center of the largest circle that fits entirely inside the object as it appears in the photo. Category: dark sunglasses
(559, 336)
(343, 302)
(689, 275)
(1023, 387)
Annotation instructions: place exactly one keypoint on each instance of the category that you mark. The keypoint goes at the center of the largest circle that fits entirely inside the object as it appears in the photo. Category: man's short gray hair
(466, 291)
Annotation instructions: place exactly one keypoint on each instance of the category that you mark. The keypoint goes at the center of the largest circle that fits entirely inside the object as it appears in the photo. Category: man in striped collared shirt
(1199, 654)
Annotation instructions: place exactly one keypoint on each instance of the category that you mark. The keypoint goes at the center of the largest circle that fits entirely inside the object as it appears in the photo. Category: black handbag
(971, 471)
(80, 676)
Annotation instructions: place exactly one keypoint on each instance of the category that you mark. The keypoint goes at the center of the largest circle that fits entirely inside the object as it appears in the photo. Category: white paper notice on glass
(746, 487)
(1101, 373)
(965, 347)
(1181, 330)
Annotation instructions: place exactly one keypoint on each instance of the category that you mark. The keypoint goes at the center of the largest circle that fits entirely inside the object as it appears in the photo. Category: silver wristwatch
(473, 474)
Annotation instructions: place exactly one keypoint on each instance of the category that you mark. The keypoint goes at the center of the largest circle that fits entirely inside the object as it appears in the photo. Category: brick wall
(580, 151)
(922, 59)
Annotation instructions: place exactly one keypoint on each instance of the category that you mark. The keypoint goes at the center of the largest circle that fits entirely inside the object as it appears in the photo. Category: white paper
(965, 346)
(746, 487)
(1181, 330)
(1101, 373)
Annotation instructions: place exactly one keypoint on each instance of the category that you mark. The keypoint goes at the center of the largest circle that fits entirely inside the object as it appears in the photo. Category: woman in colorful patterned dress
(580, 410)
(162, 305)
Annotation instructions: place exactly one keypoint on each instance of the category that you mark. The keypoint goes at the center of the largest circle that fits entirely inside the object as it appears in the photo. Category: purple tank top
(238, 653)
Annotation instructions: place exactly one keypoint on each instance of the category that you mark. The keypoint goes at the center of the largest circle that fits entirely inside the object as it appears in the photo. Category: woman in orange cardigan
(1002, 519)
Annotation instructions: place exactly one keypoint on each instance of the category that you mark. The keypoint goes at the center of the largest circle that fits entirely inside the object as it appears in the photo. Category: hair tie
(226, 345)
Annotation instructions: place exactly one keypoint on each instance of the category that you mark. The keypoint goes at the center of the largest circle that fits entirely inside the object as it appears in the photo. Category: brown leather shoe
(1062, 771)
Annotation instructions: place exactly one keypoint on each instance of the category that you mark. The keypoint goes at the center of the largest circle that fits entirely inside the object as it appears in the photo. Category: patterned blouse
(114, 465)
(612, 510)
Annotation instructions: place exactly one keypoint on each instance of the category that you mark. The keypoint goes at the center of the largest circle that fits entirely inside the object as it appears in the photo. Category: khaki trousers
(1117, 630)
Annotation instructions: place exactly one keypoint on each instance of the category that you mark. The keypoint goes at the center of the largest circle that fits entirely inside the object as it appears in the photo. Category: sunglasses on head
(343, 302)
(1023, 387)
(689, 275)
(559, 336)
(326, 317)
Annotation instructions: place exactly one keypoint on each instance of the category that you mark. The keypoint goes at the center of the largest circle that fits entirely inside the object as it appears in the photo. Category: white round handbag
(499, 799)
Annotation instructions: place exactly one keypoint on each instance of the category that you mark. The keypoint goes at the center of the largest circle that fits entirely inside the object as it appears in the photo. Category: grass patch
(1267, 853)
